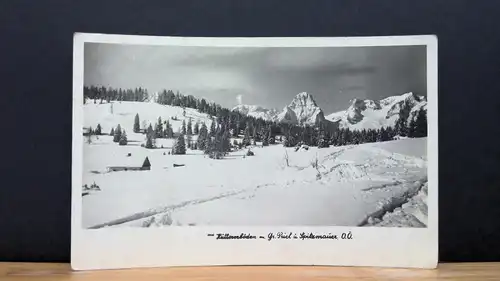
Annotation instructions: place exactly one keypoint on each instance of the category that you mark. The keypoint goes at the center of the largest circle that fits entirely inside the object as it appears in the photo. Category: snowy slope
(109, 115)
(369, 114)
(412, 213)
(257, 111)
(348, 185)
(301, 111)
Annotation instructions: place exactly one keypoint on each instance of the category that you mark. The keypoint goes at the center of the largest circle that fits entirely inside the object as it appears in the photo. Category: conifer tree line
(321, 137)
(214, 137)
(101, 94)
(215, 140)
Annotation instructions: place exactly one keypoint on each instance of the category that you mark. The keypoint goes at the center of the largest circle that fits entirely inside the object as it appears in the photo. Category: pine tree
(89, 136)
(212, 129)
(189, 130)
(189, 141)
(196, 128)
(98, 130)
(402, 127)
(265, 139)
(391, 133)
(421, 124)
(169, 132)
(289, 140)
(236, 130)
(159, 129)
(202, 137)
(270, 138)
(226, 141)
(246, 139)
(179, 146)
(118, 133)
(150, 131)
(149, 141)
(123, 138)
(381, 135)
(208, 145)
(112, 133)
(215, 146)
(402, 122)
(322, 138)
(183, 130)
(137, 126)
(412, 128)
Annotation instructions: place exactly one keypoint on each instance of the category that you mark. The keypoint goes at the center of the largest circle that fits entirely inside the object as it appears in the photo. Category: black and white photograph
(297, 136)
(216, 145)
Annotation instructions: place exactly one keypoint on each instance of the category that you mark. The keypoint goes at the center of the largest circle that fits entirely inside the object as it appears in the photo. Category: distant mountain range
(361, 114)
(257, 111)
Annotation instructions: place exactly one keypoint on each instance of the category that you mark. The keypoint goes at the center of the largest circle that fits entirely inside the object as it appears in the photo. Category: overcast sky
(270, 77)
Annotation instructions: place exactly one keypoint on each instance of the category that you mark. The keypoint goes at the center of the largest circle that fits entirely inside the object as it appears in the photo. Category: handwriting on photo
(283, 235)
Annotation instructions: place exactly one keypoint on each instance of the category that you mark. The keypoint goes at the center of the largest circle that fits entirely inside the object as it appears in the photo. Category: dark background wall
(36, 96)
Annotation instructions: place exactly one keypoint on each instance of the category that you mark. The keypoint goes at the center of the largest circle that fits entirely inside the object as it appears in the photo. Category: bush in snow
(166, 220)
(216, 155)
(94, 186)
(149, 222)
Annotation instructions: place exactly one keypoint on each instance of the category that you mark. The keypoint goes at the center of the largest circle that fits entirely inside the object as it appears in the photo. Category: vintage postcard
(254, 151)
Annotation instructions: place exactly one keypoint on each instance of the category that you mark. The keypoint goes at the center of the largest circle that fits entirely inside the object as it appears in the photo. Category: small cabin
(126, 168)
(86, 131)
(146, 166)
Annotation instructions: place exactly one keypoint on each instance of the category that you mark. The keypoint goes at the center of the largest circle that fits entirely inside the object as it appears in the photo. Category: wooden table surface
(57, 272)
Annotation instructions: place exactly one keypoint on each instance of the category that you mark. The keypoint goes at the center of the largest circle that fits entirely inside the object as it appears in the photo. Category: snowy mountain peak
(256, 111)
(303, 110)
(410, 97)
(303, 99)
(370, 114)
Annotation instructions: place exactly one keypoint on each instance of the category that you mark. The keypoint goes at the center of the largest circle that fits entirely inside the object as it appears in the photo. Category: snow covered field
(380, 184)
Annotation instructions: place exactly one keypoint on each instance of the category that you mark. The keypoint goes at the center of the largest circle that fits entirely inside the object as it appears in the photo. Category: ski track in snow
(165, 209)
(389, 205)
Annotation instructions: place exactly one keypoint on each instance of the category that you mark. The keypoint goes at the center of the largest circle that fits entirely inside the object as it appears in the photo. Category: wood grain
(57, 272)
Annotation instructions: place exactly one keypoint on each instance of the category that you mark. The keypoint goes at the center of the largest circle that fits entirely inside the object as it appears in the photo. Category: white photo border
(113, 248)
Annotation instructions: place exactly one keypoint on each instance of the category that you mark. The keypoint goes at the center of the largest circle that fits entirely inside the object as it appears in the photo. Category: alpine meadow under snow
(170, 159)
